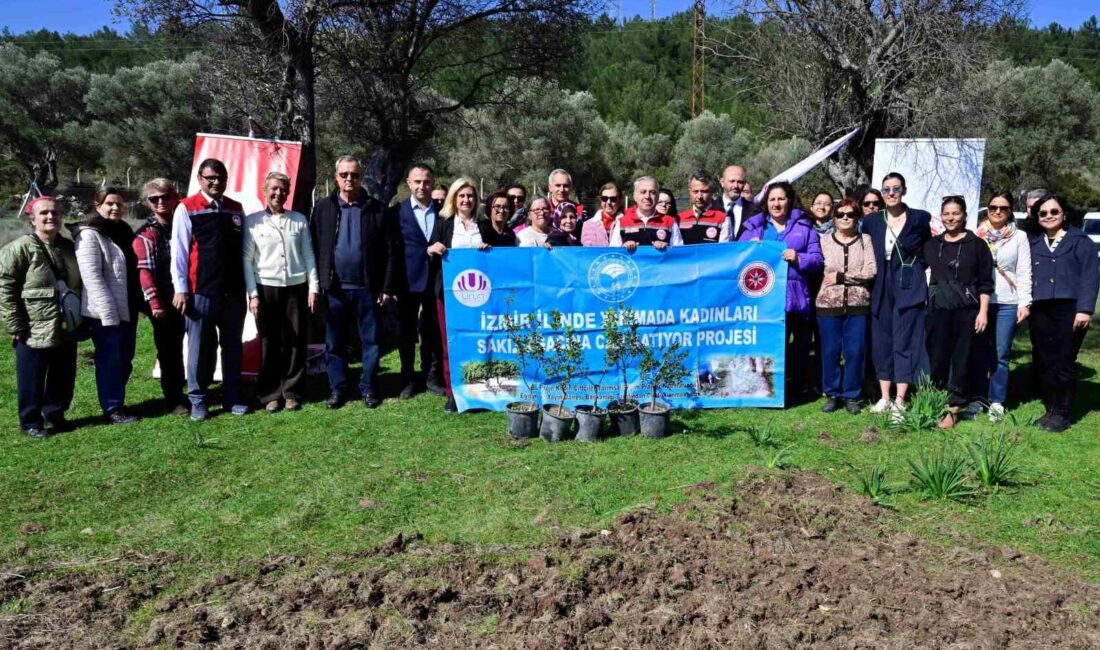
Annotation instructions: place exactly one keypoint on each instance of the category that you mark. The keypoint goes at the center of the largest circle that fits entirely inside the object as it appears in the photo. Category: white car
(1091, 226)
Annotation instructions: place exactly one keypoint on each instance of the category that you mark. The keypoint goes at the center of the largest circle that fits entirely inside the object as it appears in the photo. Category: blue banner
(723, 303)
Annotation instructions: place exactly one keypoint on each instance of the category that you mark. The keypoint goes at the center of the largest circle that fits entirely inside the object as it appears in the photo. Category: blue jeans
(348, 306)
(842, 336)
(214, 321)
(114, 361)
(991, 370)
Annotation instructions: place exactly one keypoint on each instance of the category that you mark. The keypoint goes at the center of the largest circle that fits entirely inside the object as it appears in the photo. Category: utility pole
(653, 10)
(698, 65)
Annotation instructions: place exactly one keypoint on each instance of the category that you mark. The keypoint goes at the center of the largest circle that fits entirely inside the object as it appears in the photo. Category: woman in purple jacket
(782, 221)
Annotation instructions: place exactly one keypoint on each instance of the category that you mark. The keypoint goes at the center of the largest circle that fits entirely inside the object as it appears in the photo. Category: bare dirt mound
(789, 561)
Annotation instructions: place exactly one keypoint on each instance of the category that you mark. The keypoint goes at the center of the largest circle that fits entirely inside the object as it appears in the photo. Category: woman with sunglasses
(152, 246)
(1008, 306)
(871, 201)
(899, 292)
(958, 304)
(597, 232)
(844, 307)
(1065, 280)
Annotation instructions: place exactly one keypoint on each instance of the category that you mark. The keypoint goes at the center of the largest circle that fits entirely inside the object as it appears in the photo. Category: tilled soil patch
(789, 561)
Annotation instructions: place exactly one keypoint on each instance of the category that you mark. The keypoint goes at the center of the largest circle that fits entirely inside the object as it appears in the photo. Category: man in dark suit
(414, 219)
(357, 268)
(736, 207)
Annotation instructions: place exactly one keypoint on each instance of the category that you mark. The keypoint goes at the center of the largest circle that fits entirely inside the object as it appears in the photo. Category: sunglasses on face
(349, 174)
(213, 179)
(892, 190)
(608, 199)
(1055, 212)
(159, 198)
(872, 204)
(999, 208)
(846, 215)
(514, 198)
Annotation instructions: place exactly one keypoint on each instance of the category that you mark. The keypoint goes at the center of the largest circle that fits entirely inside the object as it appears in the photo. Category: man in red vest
(702, 223)
(640, 225)
(208, 277)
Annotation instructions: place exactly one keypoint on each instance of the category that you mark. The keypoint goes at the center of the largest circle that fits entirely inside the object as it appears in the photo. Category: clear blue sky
(83, 16)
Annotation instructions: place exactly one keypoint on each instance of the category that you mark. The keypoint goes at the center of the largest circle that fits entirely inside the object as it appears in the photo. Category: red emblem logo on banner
(756, 279)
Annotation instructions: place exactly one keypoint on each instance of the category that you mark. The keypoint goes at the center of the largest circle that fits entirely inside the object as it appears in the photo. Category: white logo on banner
(472, 288)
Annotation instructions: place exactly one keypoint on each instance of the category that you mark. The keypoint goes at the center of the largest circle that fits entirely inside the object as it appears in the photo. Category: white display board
(934, 168)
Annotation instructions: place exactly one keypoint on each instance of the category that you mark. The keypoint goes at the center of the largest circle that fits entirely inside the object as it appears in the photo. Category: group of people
(866, 271)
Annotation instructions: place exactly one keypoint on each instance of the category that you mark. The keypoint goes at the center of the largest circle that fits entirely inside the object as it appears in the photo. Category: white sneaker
(996, 412)
(881, 406)
(897, 409)
(972, 410)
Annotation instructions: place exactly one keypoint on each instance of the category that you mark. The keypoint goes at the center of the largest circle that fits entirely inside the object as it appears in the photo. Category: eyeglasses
(892, 190)
(872, 204)
(1056, 212)
(213, 179)
(500, 208)
(159, 198)
(846, 215)
(608, 199)
(349, 174)
(516, 197)
(539, 210)
(1000, 208)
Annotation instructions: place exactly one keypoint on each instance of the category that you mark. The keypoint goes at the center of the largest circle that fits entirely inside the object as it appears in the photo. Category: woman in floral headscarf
(565, 231)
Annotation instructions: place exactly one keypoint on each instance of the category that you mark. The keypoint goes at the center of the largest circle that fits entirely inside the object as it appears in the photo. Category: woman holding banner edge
(783, 222)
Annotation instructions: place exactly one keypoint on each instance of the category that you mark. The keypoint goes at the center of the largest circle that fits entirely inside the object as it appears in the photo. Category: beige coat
(103, 270)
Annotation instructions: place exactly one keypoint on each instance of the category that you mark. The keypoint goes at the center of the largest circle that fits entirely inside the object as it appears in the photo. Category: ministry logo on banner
(613, 277)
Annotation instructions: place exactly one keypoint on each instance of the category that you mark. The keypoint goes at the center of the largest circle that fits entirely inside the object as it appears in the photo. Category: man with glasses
(732, 202)
(641, 225)
(702, 223)
(416, 310)
(208, 276)
(597, 232)
(517, 195)
(355, 246)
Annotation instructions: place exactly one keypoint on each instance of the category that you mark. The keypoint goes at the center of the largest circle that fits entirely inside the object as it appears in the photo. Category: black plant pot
(654, 420)
(624, 418)
(523, 420)
(556, 426)
(590, 423)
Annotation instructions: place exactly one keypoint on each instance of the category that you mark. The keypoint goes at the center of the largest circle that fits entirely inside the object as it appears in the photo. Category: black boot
(831, 404)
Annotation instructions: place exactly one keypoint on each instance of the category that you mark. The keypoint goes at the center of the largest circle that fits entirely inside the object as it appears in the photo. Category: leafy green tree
(1045, 129)
(630, 153)
(41, 102)
(709, 142)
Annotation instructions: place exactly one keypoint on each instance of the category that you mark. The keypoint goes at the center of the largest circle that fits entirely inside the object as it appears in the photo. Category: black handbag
(950, 295)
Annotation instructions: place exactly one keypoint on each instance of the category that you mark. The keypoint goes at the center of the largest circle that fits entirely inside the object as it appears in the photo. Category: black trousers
(168, 338)
(949, 335)
(1054, 348)
(417, 314)
(44, 379)
(799, 331)
(282, 326)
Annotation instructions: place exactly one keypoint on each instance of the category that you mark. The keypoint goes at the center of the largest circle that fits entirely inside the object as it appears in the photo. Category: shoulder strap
(58, 273)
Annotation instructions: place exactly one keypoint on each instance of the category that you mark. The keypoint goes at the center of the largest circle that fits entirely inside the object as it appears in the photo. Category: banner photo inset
(724, 303)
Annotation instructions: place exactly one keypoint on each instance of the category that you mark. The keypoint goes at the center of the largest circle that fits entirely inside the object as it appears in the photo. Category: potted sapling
(590, 417)
(527, 344)
(561, 362)
(660, 373)
(622, 351)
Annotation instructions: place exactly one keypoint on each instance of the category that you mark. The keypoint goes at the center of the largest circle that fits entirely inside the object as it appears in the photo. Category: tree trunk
(305, 108)
(386, 166)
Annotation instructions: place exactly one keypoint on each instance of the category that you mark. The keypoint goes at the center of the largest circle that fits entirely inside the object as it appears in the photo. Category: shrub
(942, 475)
(923, 411)
(995, 460)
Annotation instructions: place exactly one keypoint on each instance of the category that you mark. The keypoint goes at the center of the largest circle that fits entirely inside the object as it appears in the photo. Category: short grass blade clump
(941, 475)
(995, 460)
(923, 410)
(762, 436)
(780, 458)
(872, 483)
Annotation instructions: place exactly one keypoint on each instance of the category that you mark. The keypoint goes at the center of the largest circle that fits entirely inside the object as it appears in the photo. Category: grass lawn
(322, 484)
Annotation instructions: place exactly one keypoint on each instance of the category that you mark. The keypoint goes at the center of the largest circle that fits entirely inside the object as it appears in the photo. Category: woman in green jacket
(45, 349)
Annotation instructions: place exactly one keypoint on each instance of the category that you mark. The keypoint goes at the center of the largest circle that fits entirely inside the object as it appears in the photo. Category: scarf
(993, 237)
